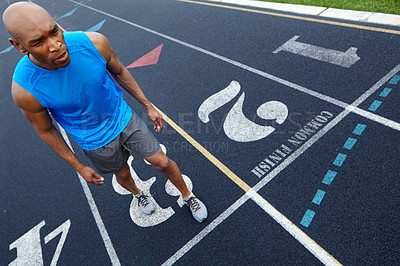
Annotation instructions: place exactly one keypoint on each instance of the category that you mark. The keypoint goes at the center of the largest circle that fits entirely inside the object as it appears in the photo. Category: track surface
(330, 196)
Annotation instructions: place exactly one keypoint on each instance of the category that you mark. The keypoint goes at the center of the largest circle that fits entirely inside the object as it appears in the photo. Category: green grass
(380, 6)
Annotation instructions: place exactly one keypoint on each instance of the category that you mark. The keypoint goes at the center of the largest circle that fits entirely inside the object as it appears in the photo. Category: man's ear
(18, 46)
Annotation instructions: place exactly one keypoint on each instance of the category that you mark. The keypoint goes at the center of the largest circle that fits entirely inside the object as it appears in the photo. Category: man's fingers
(158, 124)
(98, 179)
(97, 176)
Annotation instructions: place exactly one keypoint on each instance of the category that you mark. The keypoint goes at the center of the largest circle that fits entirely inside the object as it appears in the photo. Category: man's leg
(125, 179)
(170, 170)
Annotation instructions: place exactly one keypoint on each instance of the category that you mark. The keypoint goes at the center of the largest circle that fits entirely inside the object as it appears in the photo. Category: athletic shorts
(136, 137)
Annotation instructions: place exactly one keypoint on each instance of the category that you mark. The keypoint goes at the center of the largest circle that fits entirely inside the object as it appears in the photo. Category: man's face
(46, 46)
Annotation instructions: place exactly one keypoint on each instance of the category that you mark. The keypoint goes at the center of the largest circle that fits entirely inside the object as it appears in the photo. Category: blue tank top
(81, 97)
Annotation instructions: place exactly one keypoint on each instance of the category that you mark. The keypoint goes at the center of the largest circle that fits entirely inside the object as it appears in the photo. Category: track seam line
(326, 98)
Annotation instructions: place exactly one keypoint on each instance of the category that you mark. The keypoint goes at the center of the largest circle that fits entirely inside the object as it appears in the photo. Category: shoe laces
(143, 200)
(193, 204)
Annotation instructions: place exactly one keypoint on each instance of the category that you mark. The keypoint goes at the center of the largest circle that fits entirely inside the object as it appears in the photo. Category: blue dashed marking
(350, 143)
(340, 159)
(307, 218)
(385, 92)
(359, 129)
(395, 80)
(330, 175)
(318, 197)
(375, 105)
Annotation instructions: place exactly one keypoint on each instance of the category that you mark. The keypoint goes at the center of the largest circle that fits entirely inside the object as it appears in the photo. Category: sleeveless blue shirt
(81, 97)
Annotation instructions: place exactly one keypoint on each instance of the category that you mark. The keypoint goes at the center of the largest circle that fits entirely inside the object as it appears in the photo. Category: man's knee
(124, 173)
(163, 163)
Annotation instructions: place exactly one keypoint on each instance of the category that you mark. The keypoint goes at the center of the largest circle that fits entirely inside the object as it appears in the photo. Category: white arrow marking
(344, 59)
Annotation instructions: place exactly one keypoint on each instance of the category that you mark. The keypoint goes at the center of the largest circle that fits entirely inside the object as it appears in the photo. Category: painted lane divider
(395, 80)
(340, 158)
(385, 92)
(307, 218)
(359, 129)
(330, 175)
(374, 106)
(318, 197)
(349, 143)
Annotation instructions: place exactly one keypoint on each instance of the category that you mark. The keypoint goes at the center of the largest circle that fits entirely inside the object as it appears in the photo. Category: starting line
(251, 193)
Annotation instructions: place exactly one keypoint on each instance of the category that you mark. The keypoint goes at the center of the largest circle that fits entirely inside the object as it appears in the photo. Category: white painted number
(161, 215)
(29, 247)
(344, 59)
(236, 126)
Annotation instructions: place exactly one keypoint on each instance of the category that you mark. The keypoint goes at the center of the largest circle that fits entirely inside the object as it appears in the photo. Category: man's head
(34, 32)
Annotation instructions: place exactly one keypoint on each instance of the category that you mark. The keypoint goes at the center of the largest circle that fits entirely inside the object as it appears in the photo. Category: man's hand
(156, 118)
(91, 176)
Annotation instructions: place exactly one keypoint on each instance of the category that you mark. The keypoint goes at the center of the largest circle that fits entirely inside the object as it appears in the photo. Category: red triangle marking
(151, 58)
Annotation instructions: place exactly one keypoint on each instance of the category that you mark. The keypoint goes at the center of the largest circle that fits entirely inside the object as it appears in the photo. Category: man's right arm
(38, 116)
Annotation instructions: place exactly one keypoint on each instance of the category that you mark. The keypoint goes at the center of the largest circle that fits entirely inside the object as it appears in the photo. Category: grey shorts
(136, 137)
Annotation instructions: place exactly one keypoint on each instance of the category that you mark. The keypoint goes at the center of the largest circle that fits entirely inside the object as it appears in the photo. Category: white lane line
(93, 207)
(305, 240)
(299, 235)
(374, 117)
(326, 98)
(209, 228)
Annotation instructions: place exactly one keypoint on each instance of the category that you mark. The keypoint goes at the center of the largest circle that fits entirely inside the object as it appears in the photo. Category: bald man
(69, 74)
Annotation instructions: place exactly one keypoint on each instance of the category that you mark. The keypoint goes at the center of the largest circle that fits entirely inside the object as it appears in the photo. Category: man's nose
(54, 45)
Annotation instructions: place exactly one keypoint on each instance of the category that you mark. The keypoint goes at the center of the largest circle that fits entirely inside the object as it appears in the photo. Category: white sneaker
(198, 209)
(146, 204)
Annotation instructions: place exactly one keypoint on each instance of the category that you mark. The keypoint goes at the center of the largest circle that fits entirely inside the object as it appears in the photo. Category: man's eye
(37, 43)
(55, 31)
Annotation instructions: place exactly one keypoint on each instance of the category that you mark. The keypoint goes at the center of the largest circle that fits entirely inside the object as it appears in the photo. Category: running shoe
(145, 203)
(198, 209)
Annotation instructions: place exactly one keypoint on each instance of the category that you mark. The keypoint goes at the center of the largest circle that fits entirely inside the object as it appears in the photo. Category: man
(69, 75)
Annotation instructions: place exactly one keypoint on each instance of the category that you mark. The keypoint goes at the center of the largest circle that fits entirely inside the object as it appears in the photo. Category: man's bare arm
(38, 116)
(124, 78)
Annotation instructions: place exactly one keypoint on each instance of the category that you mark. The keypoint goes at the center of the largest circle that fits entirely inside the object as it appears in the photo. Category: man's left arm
(124, 78)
